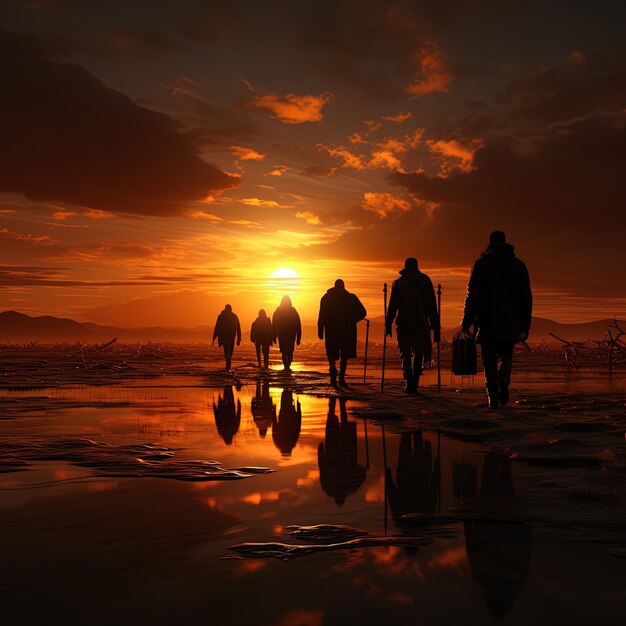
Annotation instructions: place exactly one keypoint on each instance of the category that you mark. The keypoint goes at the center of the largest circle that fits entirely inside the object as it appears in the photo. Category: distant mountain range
(21, 328)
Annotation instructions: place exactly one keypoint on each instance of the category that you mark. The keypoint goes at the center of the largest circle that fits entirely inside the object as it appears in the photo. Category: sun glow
(284, 272)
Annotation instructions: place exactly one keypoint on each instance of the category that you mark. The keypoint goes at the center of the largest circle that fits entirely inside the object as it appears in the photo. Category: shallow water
(78, 545)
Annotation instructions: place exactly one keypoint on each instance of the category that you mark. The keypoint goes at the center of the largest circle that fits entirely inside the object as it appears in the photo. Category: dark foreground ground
(128, 475)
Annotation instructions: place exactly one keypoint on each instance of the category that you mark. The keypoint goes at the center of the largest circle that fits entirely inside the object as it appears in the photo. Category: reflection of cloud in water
(301, 617)
(453, 558)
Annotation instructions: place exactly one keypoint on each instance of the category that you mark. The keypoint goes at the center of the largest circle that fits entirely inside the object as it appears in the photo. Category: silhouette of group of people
(497, 311)
(340, 311)
(284, 327)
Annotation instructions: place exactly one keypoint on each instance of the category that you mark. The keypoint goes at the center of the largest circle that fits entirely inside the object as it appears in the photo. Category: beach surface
(143, 484)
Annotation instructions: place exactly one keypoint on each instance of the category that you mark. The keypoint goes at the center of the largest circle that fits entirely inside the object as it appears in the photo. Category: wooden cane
(367, 339)
(382, 377)
(439, 342)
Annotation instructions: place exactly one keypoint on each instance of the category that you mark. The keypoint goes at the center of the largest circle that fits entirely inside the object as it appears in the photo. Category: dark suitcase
(463, 354)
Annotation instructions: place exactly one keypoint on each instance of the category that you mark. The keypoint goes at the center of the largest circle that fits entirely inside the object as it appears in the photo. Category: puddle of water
(108, 550)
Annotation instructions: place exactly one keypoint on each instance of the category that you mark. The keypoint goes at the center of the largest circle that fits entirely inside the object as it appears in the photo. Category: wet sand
(534, 497)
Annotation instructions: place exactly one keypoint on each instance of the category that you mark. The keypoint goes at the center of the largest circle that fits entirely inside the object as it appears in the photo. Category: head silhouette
(340, 284)
(262, 313)
(286, 301)
(496, 237)
(410, 264)
(228, 308)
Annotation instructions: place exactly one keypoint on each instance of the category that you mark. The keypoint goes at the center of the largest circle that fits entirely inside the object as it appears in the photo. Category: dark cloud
(72, 139)
(596, 84)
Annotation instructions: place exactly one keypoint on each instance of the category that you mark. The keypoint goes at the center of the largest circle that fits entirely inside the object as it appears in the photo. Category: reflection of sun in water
(284, 272)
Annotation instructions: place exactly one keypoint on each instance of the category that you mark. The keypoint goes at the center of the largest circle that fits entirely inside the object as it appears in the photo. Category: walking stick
(382, 378)
(367, 339)
(385, 473)
(439, 342)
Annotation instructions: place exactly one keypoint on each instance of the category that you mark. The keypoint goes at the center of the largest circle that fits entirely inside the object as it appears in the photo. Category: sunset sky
(161, 158)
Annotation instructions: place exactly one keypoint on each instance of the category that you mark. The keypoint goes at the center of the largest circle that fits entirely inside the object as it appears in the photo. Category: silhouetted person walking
(499, 304)
(226, 329)
(287, 329)
(263, 408)
(262, 335)
(340, 473)
(413, 302)
(340, 311)
(227, 415)
(286, 429)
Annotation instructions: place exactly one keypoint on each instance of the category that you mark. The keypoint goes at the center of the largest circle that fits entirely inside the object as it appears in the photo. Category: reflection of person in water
(263, 408)
(340, 474)
(286, 429)
(498, 552)
(417, 480)
(227, 415)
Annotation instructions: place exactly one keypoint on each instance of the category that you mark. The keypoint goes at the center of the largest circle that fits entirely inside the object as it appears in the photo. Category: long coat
(227, 327)
(287, 327)
(262, 332)
(499, 300)
(340, 311)
(414, 307)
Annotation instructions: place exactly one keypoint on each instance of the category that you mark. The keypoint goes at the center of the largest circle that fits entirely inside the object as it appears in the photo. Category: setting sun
(284, 272)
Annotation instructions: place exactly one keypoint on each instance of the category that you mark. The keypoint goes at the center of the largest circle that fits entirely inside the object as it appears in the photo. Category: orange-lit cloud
(399, 118)
(98, 214)
(246, 154)
(278, 170)
(357, 138)
(294, 109)
(382, 204)
(270, 204)
(433, 74)
(461, 152)
(309, 217)
(62, 215)
(203, 215)
(35, 239)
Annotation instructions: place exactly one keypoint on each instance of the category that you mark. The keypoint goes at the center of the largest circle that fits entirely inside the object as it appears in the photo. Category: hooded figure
(340, 311)
(499, 304)
(227, 327)
(262, 335)
(287, 329)
(414, 307)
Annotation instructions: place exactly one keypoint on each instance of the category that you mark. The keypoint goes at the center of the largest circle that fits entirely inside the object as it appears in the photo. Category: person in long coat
(340, 311)
(227, 327)
(287, 330)
(414, 307)
(499, 304)
(262, 335)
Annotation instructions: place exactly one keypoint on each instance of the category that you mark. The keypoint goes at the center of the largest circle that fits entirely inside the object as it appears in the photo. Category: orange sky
(162, 160)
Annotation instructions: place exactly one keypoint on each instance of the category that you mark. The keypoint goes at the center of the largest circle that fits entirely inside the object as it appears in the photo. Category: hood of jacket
(498, 252)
